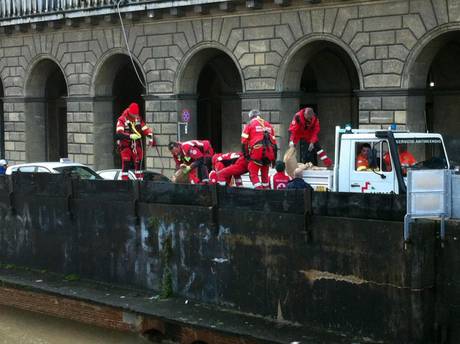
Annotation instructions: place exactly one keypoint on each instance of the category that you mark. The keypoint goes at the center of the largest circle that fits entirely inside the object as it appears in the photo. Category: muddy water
(22, 327)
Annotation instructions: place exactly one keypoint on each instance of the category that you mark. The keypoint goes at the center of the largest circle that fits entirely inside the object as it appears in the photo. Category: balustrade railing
(24, 8)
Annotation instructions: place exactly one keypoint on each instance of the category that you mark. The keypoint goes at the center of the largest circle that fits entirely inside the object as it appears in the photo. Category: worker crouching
(194, 157)
(129, 133)
(259, 146)
(228, 166)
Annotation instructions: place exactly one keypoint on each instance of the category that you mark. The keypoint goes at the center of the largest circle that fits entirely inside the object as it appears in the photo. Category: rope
(127, 45)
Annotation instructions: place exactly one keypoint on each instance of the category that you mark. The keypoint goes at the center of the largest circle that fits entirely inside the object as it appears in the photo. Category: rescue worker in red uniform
(129, 132)
(363, 158)
(228, 165)
(406, 159)
(180, 161)
(195, 156)
(305, 126)
(259, 146)
(280, 179)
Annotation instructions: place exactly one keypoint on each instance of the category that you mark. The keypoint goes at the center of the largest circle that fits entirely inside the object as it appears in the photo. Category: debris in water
(39, 281)
(122, 297)
(220, 260)
(186, 302)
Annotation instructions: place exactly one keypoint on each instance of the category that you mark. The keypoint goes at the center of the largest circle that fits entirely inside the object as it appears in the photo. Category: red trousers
(260, 161)
(224, 176)
(131, 159)
(264, 181)
(193, 177)
(218, 165)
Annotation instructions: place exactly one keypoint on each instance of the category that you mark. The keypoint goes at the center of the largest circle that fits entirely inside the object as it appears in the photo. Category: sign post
(185, 118)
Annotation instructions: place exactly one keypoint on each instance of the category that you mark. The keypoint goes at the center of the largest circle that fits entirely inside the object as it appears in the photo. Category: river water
(22, 327)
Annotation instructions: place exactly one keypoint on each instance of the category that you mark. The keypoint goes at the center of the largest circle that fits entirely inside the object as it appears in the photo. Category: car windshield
(81, 171)
(422, 153)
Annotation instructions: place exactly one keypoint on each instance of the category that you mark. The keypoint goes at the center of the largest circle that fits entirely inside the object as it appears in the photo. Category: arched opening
(324, 77)
(116, 86)
(46, 113)
(154, 336)
(436, 76)
(213, 78)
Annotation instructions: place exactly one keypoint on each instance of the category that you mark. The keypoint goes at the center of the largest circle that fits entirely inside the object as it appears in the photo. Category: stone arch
(209, 83)
(45, 93)
(432, 76)
(323, 73)
(115, 85)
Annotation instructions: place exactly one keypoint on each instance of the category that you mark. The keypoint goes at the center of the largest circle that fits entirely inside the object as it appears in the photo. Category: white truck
(385, 173)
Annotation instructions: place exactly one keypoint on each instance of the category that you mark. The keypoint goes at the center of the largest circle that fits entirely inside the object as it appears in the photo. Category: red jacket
(254, 132)
(196, 149)
(280, 180)
(221, 160)
(299, 129)
(126, 125)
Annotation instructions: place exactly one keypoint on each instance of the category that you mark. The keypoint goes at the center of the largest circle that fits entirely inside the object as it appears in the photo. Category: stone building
(66, 73)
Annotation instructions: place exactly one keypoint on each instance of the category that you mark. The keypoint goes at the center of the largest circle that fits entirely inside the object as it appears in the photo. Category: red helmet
(133, 109)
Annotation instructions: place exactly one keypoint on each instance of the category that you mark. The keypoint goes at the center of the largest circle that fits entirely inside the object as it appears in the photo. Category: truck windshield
(421, 153)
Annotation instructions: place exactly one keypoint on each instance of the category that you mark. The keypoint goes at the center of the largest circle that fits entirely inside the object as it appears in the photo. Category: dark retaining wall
(331, 259)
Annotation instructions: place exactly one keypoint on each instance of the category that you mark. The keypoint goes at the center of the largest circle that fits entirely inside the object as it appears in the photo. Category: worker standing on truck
(259, 147)
(129, 133)
(305, 126)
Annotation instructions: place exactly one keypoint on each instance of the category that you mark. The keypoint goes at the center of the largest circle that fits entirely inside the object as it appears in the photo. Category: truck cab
(377, 161)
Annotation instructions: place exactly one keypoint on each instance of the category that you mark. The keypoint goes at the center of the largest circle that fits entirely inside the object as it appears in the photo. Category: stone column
(162, 116)
(14, 129)
(80, 128)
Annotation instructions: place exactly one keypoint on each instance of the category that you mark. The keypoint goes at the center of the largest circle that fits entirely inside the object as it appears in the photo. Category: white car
(63, 166)
(115, 174)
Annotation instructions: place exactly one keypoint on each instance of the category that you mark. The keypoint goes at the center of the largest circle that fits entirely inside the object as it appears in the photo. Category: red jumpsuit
(198, 154)
(131, 150)
(222, 160)
(259, 141)
(179, 160)
(301, 130)
(280, 180)
(228, 165)
(406, 160)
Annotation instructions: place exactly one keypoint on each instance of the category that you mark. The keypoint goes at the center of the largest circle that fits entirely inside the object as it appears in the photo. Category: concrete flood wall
(334, 260)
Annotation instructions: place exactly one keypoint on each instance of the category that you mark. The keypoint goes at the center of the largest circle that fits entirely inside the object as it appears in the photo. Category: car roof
(51, 164)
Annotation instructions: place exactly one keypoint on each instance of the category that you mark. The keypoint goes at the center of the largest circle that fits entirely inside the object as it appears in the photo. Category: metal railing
(24, 8)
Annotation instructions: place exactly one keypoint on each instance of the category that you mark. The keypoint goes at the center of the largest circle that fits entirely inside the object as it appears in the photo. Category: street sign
(186, 115)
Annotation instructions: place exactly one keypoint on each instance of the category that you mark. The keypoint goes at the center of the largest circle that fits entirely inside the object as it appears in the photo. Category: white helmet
(3, 162)
(253, 113)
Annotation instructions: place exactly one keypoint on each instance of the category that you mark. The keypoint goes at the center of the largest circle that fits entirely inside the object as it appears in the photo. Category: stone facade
(380, 44)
